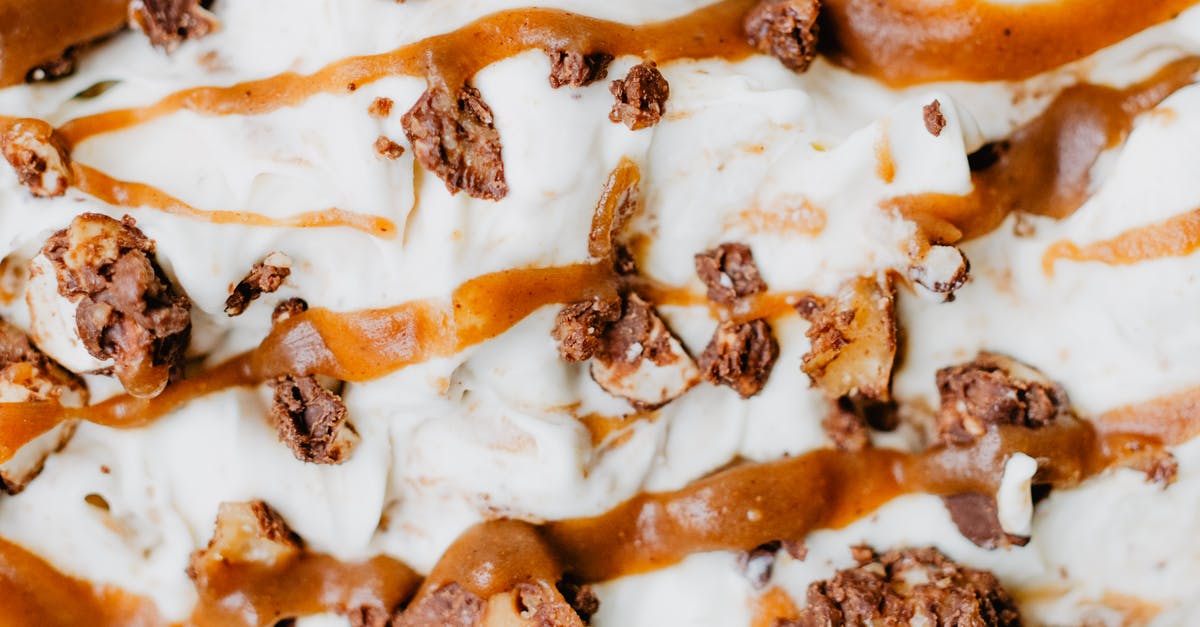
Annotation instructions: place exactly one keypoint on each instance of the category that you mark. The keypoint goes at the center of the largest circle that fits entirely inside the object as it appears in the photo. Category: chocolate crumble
(576, 69)
(729, 272)
(741, 356)
(640, 360)
(287, 309)
(39, 157)
(977, 517)
(264, 278)
(449, 606)
(934, 120)
(641, 97)
(995, 390)
(581, 598)
(454, 136)
(846, 429)
(387, 148)
(853, 341)
(543, 606)
(169, 23)
(578, 327)
(785, 29)
(311, 420)
(126, 308)
(381, 107)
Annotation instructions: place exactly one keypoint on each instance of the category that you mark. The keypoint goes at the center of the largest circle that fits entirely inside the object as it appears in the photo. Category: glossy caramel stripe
(1177, 236)
(33, 32)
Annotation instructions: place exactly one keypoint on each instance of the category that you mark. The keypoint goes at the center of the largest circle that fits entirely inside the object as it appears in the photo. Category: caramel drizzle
(1177, 236)
(33, 32)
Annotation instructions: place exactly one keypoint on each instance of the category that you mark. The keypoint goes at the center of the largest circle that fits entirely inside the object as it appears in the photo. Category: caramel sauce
(885, 165)
(904, 42)
(1177, 236)
(1044, 167)
(800, 218)
(33, 32)
(773, 606)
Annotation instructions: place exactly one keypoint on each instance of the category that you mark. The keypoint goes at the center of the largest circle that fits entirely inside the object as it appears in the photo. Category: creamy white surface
(492, 431)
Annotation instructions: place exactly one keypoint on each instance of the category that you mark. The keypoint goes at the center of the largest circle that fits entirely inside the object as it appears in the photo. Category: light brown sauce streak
(1177, 236)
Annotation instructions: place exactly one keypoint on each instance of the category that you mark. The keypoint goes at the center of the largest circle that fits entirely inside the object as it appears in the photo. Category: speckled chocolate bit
(248, 533)
(741, 356)
(287, 309)
(169, 23)
(934, 120)
(785, 29)
(381, 107)
(853, 340)
(978, 519)
(449, 606)
(729, 272)
(388, 149)
(577, 69)
(38, 156)
(543, 606)
(579, 327)
(911, 586)
(641, 97)
(264, 278)
(311, 420)
(126, 308)
(454, 136)
(996, 390)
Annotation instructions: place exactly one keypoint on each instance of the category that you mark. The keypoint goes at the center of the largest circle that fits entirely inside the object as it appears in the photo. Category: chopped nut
(579, 327)
(454, 136)
(908, 587)
(740, 355)
(287, 309)
(248, 533)
(543, 606)
(934, 120)
(977, 517)
(995, 390)
(640, 360)
(942, 270)
(570, 67)
(311, 420)
(785, 29)
(169, 22)
(450, 605)
(854, 341)
(388, 149)
(729, 272)
(641, 97)
(264, 278)
(126, 309)
(381, 107)
(38, 155)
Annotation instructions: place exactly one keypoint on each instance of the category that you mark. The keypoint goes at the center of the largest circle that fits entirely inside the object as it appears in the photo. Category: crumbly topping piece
(126, 308)
(39, 157)
(311, 420)
(934, 120)
(729, 272)
(907, 587)
(853, 340)
(846, 429)
(579, 327)
(977, 517)
(264, 277)
(169, 23)
(577, 69)
(388, 149)
(785, 29)
(450, 605)
(740, 355)
(454, 136)
(287, 309)
(640, 360)
(542, 605)
(246, 533)
(995, 390)
(381, 107)
(942, 270)
(581, 598)
(641, 97)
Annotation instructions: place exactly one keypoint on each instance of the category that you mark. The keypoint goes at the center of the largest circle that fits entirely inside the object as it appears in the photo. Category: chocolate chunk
(311, 420)
(934, 120)
(247, 533)
(977, 517)
(912, 586)
(169, 22)
(579, 327)
(126, 309)
(449, 606)
(640, 360)
(381, 107)
(785, 29)
(387, 148)
(39, 157)
(846, 429)
(740, 355)
(287, 309)
(758, 563)
(574, 68)
(641, 97)
(995, 390)
(454, 136)
(264, 278)
(729, 272)
(542, 605)
(581, 598)
(637, 335)
(854, 341)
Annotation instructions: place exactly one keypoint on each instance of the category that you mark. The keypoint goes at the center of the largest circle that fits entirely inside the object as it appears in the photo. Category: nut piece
(641, 97)
(574, 68)
(740, 355)
(846, 429)
(126, 309)
(169, 22)
(579, 327)
(541, 605)
(454, 136)
(450, 605)
(942, 270)
(934, 120)
(311, 420)
(249, 533)
(381, 107)
(978, 519)
(729, 272)
(39, 157)
(388, 149)
(854, 341)
(265, 277)
(785, 29)
(640, 360)
(995, 390)
(908, 587)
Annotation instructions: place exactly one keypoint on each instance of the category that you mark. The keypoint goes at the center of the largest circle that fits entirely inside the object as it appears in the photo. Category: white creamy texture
(493, 430)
